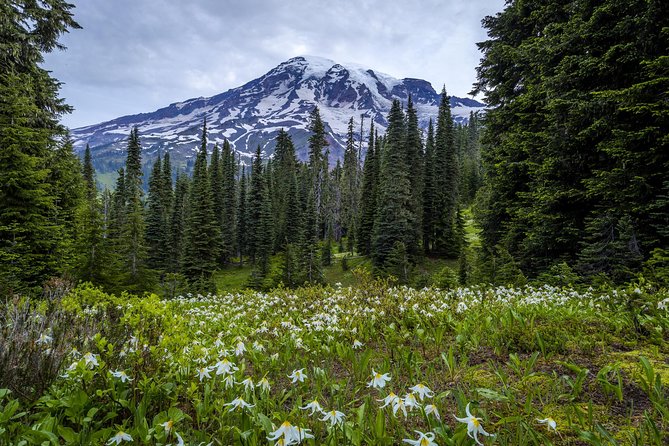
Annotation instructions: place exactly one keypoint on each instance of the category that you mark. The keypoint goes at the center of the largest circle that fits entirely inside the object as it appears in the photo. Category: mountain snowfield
(252, 114)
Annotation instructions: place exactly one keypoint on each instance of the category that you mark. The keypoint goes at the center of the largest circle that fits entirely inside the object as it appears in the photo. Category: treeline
(402, 202)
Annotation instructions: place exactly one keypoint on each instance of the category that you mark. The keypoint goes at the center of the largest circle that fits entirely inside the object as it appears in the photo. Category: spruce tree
(242, 218)
(445, 182)
(218, 200)
(201, 232)
(317, 143)
(429, 211)
(229, 168)
(414, 161)
(94, 262)
(132, 247)
(260, 222)
(177, 223)
(287, 209)
(156, 242)
(30, 237)
(368, 198)
(394, 212)
(349, 188)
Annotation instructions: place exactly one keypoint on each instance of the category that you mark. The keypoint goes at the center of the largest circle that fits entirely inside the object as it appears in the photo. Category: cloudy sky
(136, 56)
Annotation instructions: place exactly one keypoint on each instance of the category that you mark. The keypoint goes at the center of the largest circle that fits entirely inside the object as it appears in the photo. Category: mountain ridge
(252, 114)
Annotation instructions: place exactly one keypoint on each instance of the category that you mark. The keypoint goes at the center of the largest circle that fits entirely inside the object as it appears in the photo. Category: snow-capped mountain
(252, 114)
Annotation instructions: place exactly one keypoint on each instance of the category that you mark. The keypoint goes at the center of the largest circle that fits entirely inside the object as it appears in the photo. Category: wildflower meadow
(372, 365)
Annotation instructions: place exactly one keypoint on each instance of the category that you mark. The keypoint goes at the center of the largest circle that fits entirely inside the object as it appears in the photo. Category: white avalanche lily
(119, 437)
(290, 434)
(473, 426)
(238, 403)
(120, 374)
(548, 422)
(264, 384)
(422, 391)
(399, 404)
(390, 399)
(410, 401)
(225, 366)
(297, 375)
(431, 408)
(357, 344)
(334, 417)
(240, 348)
(44, 339)
(314, 406)
(424, 439)
(167, 425)
(203, 372)
(378, 380)
(248, 384)
(91, 359)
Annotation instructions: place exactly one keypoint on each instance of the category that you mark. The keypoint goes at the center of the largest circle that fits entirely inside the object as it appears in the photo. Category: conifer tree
(287, 209)
(156, 243)
(429, 210)
(393, 216)
(242, 218)
(30, 238)
(414, 162)
(229, 167)
(201, 232)
(350, 188)
(445, 182)
(178, 223)
(92, 261)
(132, 247)
(368, 198)
(317, 143)
(218, 200)
(260, 222)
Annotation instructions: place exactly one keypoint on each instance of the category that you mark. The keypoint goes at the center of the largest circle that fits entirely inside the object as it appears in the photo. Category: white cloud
(134, 57)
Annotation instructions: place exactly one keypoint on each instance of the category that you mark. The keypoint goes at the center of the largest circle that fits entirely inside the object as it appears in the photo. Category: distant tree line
(393, 208)
(566, 173)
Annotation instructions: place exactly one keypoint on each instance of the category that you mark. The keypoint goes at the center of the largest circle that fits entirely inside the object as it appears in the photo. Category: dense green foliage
(576, 150)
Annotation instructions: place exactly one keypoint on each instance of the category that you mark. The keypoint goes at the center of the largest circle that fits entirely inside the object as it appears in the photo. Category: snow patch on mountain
(251, 115)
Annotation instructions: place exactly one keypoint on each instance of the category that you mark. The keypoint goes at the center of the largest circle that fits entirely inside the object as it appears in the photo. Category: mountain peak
(252, 114)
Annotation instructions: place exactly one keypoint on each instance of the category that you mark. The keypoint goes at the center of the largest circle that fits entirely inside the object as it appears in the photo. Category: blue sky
(135, 56)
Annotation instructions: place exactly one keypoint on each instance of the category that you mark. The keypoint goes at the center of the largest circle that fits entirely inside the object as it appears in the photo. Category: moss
(629, 362)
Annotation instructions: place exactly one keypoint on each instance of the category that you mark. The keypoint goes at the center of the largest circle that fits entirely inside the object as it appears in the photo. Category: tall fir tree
(287, 215)
(350, 188)
(218, 199)
(94, 263)
(392, 226)
(229, 168)
(368, 193)
(30, 237)
(415, 165)
(177, 223)
(156, 242)
(242, 239)
(131, 243)
(260, 220)
(201, 232)
(317, 144)
(429, 211)
(445, 182)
